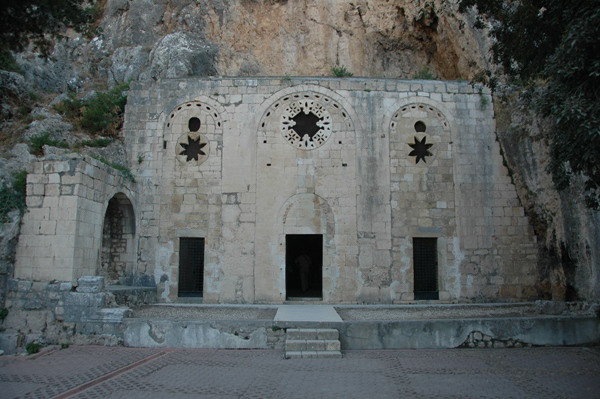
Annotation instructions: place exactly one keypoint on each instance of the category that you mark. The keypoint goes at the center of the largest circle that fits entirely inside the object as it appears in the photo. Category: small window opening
(420, 127)
(194, 124)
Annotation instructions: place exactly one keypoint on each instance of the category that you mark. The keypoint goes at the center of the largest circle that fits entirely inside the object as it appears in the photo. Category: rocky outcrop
(158, 39)
(568, 232)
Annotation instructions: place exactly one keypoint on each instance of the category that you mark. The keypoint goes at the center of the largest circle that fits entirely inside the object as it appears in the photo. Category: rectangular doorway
(191, 266)
(304, 266)
(425, 268)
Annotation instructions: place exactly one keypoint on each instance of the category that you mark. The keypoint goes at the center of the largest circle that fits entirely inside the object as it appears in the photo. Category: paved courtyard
(116, 372)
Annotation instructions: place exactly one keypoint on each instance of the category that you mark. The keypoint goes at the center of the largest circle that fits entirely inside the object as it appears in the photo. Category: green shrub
(425, 74)
(3, 313)
(70, 108)
(103, 112)
(13, 197)
(32, 348)
(341, 72)
(37, 143)
(8, 62)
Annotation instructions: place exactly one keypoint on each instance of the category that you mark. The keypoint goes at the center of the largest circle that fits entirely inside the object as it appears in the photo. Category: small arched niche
(118, 253)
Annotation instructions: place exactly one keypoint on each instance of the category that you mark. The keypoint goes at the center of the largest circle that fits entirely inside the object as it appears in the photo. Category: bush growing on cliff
(551, 47)
(102, 113)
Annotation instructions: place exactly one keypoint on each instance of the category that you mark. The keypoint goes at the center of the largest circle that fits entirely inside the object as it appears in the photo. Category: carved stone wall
(369, 164)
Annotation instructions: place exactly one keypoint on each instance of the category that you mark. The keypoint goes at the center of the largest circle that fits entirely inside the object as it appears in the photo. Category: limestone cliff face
(152, 39)
(568, 232)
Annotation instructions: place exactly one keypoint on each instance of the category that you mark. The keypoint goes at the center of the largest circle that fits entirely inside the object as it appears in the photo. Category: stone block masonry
(62, 230)
(375, 167)
(57, 313)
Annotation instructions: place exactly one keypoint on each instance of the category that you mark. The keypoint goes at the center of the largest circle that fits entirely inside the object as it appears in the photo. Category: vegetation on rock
(341, 72)
(38, 21)
(102, 113)
(13, 196)
(37, 143)
(551, 49)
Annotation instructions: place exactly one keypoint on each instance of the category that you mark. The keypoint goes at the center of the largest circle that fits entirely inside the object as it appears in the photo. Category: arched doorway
(118, 252)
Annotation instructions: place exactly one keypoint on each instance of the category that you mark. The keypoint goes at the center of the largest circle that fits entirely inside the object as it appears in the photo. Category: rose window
(306, 124)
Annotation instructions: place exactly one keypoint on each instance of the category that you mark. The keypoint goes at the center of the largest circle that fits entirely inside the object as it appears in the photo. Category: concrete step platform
(312, 333)
(313, 354)
(312, 345)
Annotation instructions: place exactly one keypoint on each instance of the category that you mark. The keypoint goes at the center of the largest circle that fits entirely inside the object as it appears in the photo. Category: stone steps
(312, 343)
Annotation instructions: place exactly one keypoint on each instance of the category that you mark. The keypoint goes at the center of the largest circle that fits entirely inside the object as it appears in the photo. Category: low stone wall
(59, 313)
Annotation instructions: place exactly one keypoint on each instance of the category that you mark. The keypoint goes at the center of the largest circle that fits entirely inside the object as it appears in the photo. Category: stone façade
(389, 161)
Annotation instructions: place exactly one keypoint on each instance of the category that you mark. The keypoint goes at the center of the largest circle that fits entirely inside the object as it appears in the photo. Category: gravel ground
(205, 313)
(436, 312)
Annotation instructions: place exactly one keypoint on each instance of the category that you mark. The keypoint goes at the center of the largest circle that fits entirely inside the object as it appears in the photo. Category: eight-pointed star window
(193, 149)
(420, 150)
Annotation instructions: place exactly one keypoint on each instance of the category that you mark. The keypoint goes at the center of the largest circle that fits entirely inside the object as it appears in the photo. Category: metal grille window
(425, 268)
(191, 266)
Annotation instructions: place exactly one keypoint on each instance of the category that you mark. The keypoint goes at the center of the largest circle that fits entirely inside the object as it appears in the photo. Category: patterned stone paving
(175, 374)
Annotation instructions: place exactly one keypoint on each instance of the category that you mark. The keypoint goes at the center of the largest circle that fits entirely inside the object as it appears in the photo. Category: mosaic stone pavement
(107, 372)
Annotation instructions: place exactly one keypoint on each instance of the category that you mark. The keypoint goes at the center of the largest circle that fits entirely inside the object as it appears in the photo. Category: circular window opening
(306, 124)
(194, 124)
(420, 127)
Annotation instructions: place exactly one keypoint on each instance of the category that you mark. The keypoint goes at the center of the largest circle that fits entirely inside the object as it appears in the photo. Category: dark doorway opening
(425, 268)
(191, 266)
(304, 266)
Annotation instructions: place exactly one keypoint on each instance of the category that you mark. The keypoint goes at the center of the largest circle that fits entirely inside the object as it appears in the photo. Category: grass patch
(121, 168)
(37, 143)
(13, 197)
(341, 72)
(32, 348)
(425, 74)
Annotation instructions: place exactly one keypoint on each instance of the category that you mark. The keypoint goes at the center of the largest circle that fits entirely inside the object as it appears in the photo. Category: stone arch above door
(307, 214)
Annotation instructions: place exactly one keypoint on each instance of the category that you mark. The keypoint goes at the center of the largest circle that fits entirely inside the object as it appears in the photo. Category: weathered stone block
(90, 284)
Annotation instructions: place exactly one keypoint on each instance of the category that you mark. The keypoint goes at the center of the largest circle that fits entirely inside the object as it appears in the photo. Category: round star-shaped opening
(420, 150)
(193, 149)
(306, 124)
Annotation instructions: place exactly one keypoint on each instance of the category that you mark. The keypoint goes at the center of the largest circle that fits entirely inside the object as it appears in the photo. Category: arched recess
(117, 256)
(423, 200)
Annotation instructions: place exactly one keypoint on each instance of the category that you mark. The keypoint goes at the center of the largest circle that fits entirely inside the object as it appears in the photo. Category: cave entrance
(304, 266)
